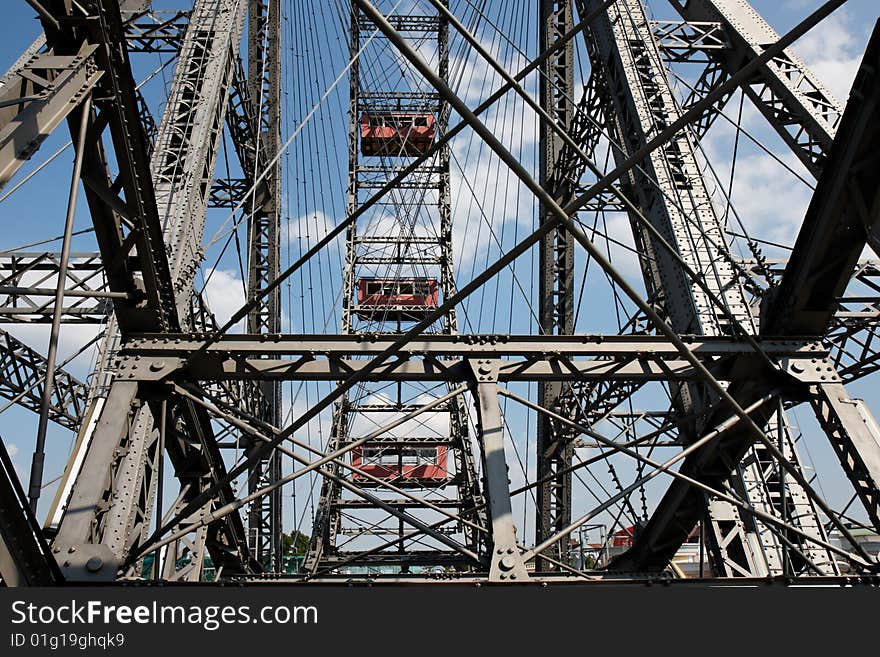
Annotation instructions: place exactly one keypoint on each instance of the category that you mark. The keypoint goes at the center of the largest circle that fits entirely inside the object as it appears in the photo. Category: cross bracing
(434, 285)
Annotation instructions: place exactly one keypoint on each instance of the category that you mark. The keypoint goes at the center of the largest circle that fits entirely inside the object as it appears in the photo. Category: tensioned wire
(674, 202)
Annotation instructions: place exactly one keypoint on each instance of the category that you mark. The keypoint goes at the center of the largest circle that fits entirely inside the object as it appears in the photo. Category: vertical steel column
(556, 274)
(505, 563)
(264, 221)
(113, 489)
(671, 192)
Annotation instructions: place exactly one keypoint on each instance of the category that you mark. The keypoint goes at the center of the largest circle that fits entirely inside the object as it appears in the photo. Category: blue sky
(770, 200)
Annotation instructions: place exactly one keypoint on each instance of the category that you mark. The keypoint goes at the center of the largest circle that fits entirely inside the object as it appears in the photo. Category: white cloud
(308, 229)
(224, 295)
(833, 51)
(770, 202)
(71, 339)
(426, 425)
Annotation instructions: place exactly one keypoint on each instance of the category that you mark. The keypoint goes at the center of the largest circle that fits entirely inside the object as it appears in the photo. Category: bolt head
(508, 562)
(94, 564)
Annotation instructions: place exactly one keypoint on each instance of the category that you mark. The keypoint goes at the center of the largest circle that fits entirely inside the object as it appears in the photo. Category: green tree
(294, 543)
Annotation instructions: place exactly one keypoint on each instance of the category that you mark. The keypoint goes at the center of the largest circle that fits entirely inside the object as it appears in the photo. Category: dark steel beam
(554, 450)
(25, 558)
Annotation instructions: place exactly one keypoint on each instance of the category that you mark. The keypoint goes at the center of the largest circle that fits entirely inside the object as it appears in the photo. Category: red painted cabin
(397, 298)
(420, 466)
(406, 134)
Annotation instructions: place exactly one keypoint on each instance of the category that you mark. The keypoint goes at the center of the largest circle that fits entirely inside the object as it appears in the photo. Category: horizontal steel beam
(592, 363)
(469, 346)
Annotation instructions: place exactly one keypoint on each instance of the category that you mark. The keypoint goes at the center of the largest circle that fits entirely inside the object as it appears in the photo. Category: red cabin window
(404, 298)
(405, 134)
(416, 465)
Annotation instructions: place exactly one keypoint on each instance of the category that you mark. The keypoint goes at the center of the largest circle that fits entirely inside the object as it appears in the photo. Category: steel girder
(25, 558)
(524, 358)
(844, 212)
(48, 86)
(787, 93)
(689, 41)
(28, 281)
(672, 195)
(252, 122)
(528, 364)
(22, 372)
(152, 31)
(110, 519)
(51, 86)
(264, 257)
(842, 215)
(556, 273)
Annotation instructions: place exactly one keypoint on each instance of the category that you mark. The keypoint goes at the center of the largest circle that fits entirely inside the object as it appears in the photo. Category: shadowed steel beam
(25, 559)
(505, 563)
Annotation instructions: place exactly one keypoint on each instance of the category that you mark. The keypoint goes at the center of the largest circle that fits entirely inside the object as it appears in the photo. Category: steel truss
(735, 343)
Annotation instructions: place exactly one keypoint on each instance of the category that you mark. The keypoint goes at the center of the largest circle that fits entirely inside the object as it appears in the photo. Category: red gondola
(396, 298)
(416, 465)
(396, 133)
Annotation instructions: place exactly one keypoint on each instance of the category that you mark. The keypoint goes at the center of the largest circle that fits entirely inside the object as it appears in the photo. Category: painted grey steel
(792, 99)
(263, 209)
(36, 96)
(23, 376)
(25, 558)
(554, 450)
(186, 148)
(506, 563)
(820, 262)
(26, 297)
(189, 395)
(674, 197)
